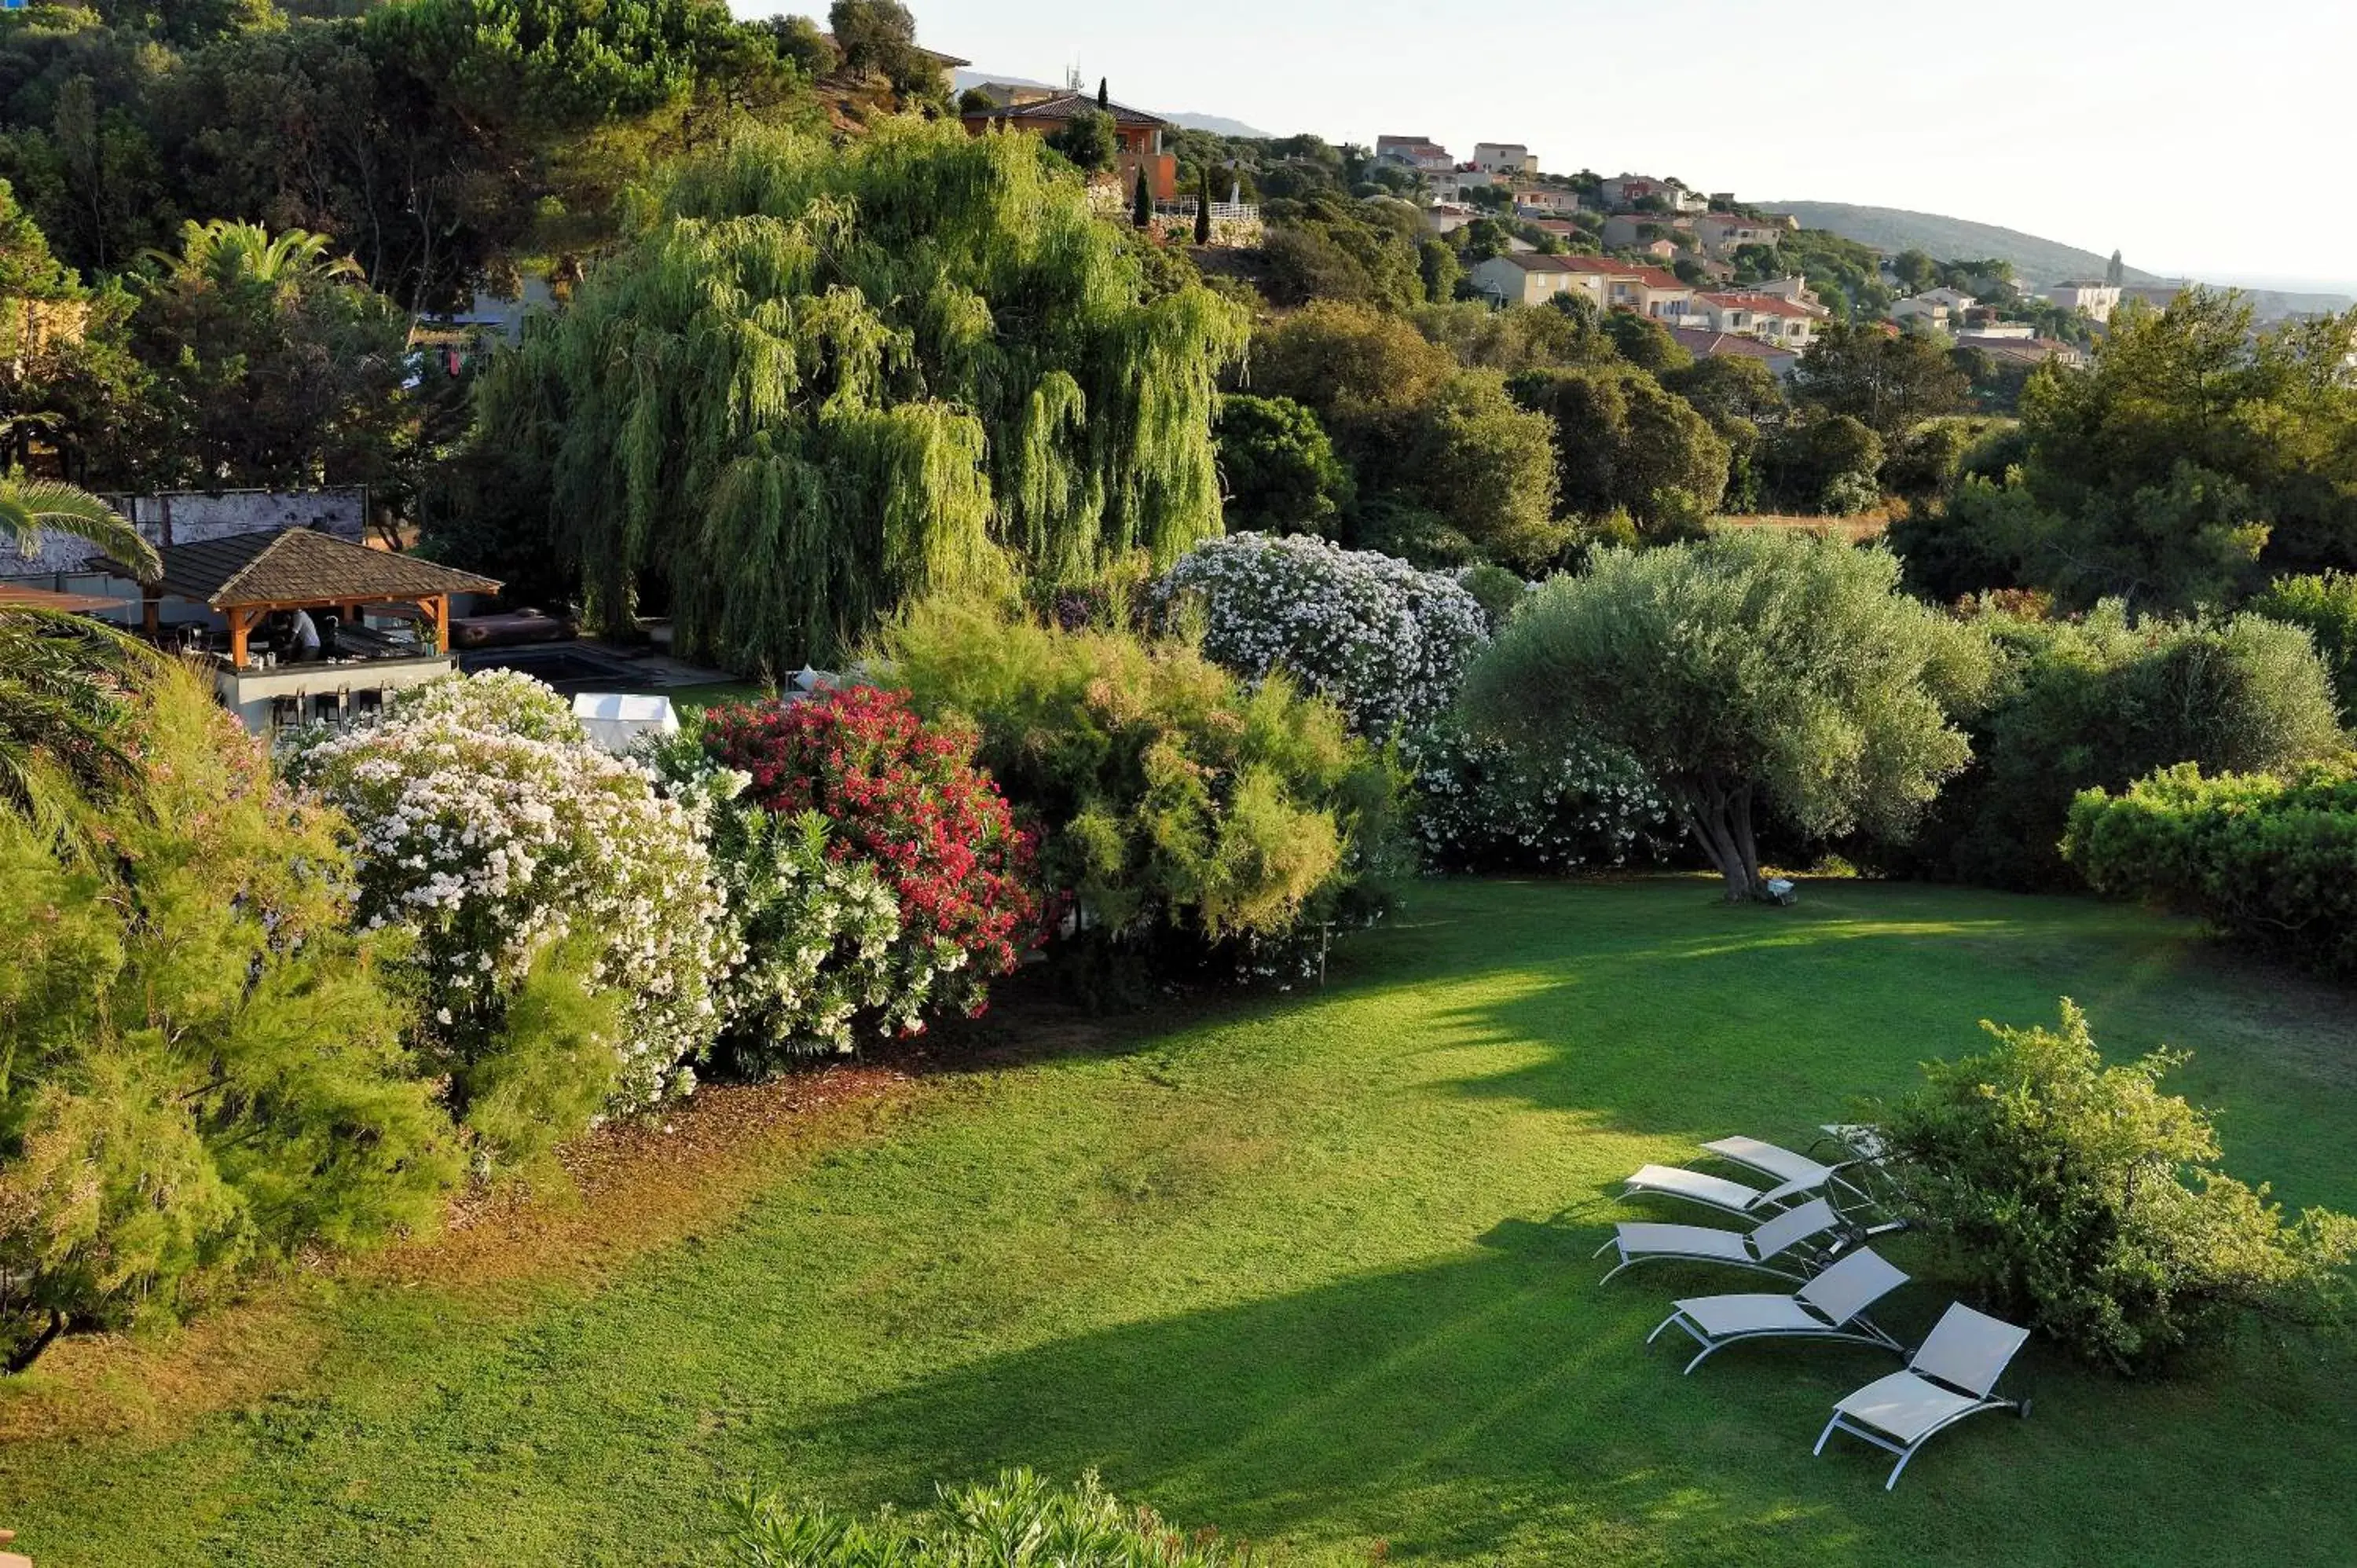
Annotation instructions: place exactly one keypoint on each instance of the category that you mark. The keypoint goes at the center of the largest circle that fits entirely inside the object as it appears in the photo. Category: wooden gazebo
(246, 576)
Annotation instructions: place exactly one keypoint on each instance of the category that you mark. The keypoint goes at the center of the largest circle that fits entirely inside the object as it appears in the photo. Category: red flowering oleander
(904, 796)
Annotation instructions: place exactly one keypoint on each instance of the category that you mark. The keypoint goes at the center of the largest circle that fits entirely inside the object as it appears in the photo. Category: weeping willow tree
(823, 380)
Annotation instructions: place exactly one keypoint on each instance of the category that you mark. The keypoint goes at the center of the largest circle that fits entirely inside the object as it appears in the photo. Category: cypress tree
(794, 402)
(1203, 209)
(1141, 203)
(1104, 100)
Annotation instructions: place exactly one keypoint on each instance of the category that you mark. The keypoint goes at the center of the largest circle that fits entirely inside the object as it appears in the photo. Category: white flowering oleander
(1386, 643)
(491, 845)
(819, 940)
(1485, 805)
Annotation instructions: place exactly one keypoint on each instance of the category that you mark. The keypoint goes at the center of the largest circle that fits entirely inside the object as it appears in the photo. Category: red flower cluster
(905, 797)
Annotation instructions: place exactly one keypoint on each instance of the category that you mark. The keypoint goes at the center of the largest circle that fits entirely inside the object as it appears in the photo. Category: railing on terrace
(1221, 211)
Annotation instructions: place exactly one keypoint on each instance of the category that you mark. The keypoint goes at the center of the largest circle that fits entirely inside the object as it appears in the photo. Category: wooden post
(150, 611)
(238, 626)
(442, 623)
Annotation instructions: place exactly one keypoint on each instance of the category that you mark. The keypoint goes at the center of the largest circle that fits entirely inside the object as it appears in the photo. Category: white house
(1416, 152)
(1934, 307)
(1544, 201)
(1504, 157)
(1624, 231)
(2097, 300)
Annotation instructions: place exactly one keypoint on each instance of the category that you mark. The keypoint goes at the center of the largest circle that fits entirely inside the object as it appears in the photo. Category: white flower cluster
(820, 938)
(1386, 643)
(1485, 805)
(490, 846)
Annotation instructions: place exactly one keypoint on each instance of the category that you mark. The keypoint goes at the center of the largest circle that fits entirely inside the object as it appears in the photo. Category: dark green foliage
(272, 364)
(1752, 666)
(1926, 462)
(1021, 1522)
(1326, 246)
(796, 401)
(1806, 456)
(2326, 605)
(1892, 383)
(880, 37)
(2271, 862)
(1644, 342)
(2080, 1200)
(2193, 448)
(1622, 443)
(1498, 592)
(1278, 468)
(1475, 459)
(1203, 207)
(1141, 204)
(1441, 269)
(204, 1067)
(2100, 703)
(62, 713)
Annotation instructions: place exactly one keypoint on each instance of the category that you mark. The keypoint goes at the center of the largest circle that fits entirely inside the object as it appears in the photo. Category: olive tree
(1749, 667)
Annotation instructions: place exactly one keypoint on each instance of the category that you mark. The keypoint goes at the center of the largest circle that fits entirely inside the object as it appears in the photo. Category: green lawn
(1315, 1268)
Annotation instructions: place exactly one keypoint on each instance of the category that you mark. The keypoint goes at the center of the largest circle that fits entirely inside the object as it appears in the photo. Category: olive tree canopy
(1751, 665)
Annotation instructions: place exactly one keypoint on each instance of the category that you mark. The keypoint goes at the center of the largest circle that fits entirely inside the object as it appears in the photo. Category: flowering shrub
(1386, 643)
(507, 700)
(1487, 805)
(904, 798)
(819, 934)
(509, 857)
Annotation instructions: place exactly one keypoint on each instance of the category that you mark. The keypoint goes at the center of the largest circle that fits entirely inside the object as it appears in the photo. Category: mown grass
(1314, 1269)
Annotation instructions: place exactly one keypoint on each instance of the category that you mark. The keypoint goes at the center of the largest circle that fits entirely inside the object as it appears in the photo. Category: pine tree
(1203, 209)
(793, 402)
(1141, 202)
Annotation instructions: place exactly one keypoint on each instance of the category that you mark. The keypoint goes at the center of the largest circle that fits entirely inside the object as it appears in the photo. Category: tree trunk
(1719, 820)
(26, 1354)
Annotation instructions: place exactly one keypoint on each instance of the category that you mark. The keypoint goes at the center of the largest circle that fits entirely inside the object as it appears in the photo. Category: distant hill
(1218, 124)
(2036, 261)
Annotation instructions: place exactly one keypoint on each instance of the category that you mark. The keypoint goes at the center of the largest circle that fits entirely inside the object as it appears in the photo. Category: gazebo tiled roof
(300, 565)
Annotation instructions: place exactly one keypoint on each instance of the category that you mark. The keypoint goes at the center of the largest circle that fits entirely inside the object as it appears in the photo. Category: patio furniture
(1778, 1238)
(1829, 1307)
(1953, 1375)
(1718, 1192)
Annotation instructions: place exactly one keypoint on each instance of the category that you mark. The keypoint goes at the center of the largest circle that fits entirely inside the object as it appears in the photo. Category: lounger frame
(1907, 1451)
(1841, 1229)
(1859, 1330)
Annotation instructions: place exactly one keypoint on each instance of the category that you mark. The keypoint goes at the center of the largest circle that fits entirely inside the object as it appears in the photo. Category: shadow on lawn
(1500, 1403)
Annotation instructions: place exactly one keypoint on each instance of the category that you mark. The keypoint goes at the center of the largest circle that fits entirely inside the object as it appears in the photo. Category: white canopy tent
(614, 720)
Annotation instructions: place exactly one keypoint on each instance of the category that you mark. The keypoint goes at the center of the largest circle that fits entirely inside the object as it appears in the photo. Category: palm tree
(29, 506)
(224, 253)
(63, 680)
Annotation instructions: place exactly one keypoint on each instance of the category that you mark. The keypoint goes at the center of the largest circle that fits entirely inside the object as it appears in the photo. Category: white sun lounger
(1953, 1375)
(1718, 1192)
(1758, 1248)
(1829, 1307)
(1772, 1161)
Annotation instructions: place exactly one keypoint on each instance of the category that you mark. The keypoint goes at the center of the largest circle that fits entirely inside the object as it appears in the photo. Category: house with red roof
(1138, 134)
(1767, 317)
(1704, 344)
(1612, 285)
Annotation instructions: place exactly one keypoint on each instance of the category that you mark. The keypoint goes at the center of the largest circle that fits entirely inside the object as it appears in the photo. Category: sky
(2210, 140)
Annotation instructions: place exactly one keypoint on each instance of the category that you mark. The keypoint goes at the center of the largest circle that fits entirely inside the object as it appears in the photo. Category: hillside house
(1722, 233)
(1544, 201)
(1704, 344)
(1627, 230)
(1534, 279)
(1504, 157)
(1138, 134)
(1416, 152)
(1762, 315)
(1626, 191)
(2095, 300)
(1935, 308)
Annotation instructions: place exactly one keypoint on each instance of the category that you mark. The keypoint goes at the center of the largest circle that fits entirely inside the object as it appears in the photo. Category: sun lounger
(1829, 1307)
(1773, 1247)
(1953, 1375)
(1718, 1192)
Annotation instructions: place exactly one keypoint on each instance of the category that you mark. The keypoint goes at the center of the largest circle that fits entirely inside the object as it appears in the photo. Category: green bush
(2081, 1201)
(2271, 862)
(1175, 801)
(2326, 604)
(203, 1065)
(1021, 1522)
(2099, 702)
